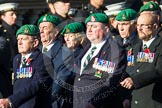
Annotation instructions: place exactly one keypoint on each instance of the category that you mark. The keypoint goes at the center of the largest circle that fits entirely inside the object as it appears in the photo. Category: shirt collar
(148, 43)
(28, 55)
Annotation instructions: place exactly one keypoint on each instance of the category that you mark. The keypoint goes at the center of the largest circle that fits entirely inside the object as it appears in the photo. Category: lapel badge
(98, 73)
(130, 51)
(4, 30)
(93, 19)
(104, 53)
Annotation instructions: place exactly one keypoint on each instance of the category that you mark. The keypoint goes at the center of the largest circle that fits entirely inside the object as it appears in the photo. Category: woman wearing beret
(74, 36)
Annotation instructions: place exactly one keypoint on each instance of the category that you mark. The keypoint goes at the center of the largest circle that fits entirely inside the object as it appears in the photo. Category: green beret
(31, 30)
(97, 17)
(74, 27)
(49, 18)
(150, 6)
(126, 15)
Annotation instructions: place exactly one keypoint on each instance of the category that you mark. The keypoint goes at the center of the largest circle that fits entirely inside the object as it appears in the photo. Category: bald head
(151, 18)
(147, 26)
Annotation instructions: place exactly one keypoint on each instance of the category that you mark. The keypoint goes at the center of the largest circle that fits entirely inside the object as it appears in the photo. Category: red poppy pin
(147, 50)
(130, 52)
(28, 61)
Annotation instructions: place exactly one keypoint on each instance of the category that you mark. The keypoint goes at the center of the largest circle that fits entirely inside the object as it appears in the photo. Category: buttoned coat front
(147, 78)
(31, 92)
(61, 59)
(101, 92)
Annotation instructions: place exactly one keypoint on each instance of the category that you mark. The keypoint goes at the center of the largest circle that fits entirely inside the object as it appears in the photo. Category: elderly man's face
(146, 26)
(47, 32)
(126, 28)
(96, 32)
(26, 44)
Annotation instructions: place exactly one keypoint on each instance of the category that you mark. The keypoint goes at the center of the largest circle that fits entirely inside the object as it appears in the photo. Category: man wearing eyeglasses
(146, 74)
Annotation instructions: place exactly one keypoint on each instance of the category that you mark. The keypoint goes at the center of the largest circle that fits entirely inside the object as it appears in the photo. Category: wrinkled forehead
(95, 23)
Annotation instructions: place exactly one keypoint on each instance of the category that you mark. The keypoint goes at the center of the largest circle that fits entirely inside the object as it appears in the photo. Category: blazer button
(79, 79)
(137, 70)
(136, 102)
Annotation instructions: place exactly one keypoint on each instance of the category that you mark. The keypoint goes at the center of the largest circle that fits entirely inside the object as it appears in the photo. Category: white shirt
(49, 46)
(26, 57)
(99, 46)
(148, 43)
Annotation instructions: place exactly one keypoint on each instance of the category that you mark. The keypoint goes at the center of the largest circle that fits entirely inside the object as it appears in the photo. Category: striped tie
(144, 47)
(89, 57)
(44, 50)
(23, 62)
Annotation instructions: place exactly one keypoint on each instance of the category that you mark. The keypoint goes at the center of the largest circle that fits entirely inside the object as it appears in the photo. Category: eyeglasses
(144, 26)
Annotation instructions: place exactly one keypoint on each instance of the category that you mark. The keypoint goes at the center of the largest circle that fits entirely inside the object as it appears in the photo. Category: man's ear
(106, 28)
(155, 26)
(36, 43)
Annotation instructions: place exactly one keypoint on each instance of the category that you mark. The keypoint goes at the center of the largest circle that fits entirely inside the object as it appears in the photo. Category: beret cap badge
(123, 17)
(151, 6)
(44, 19)
(26, 30)
(67, 30)
(93, 19)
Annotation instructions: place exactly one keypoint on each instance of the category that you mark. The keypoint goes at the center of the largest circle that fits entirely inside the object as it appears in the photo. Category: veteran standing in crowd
(99, 67)
(59, 55)
(8, 46)
(146, 75)
(74, 37)
(126, 24)
(31, 79)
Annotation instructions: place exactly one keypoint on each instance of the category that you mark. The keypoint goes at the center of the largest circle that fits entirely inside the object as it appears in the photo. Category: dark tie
(89, 57)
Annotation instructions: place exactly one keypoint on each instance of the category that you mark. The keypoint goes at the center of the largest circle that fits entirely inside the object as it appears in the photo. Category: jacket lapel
(52, 53)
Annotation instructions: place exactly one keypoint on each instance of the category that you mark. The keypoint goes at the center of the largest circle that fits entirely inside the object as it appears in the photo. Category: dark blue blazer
(62, 62)
(31, 92)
